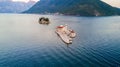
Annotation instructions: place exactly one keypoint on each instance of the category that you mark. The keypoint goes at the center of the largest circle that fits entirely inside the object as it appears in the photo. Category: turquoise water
(26, 43)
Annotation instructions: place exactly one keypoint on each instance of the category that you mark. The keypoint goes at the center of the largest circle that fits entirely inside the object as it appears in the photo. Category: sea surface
(26, 43)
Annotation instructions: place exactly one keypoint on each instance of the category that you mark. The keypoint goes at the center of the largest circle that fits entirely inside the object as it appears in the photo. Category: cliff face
(74, 7)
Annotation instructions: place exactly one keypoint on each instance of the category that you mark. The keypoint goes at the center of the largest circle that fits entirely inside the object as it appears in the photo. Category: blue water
(26, 43)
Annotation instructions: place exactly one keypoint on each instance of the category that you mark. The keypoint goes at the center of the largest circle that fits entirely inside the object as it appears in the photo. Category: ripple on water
(29, 44)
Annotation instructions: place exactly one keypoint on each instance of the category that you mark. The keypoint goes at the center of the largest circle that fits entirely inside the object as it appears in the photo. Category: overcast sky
(115, 3)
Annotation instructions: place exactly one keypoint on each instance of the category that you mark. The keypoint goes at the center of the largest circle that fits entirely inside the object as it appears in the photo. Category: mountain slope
(74, 7)
(14, 7)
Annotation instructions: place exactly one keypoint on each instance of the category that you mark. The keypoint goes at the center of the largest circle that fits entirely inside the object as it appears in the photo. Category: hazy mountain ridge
(74, 7)
(14, 7)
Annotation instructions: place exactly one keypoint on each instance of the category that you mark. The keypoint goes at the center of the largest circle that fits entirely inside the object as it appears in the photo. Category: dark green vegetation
(74, 7)
(44, 20)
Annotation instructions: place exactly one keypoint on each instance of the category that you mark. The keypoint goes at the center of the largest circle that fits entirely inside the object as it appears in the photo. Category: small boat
(64, 37)
(72, 34)
(65, 34)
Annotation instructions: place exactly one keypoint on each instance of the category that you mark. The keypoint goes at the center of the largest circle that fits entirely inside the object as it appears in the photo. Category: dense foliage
(74, 7)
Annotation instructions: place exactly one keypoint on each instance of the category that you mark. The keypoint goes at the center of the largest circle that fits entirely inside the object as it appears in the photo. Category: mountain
(8, 6)
(74, 7)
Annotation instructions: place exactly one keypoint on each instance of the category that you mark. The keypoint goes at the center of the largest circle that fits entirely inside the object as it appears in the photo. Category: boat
(72, 34)
(64, 37)
(65, 34)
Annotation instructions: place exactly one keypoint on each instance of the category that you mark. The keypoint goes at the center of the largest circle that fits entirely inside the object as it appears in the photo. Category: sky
(115, 3)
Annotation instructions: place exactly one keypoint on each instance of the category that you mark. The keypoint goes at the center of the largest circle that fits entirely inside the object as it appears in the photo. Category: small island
(44, 20)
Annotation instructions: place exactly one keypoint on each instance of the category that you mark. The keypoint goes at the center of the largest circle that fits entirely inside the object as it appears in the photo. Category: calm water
(26, 43)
